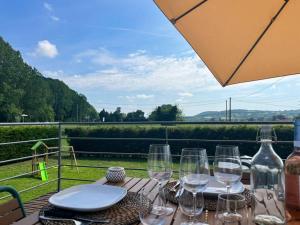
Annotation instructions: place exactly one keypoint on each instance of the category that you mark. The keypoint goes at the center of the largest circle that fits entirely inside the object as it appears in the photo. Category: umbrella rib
(174, 20)
(256, 42)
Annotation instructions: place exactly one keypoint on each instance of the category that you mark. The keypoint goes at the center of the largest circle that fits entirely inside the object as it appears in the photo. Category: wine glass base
(161, 210)
(232, 217)
(193, 223)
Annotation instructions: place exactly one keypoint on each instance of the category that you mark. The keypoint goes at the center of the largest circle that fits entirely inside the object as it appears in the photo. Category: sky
(126, 53)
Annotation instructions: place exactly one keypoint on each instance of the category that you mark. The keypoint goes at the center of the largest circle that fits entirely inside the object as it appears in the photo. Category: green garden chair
(12, 210)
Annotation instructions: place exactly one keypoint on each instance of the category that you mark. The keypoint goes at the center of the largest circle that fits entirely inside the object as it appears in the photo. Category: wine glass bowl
(194, 176)
(227, 165)
(160, 169)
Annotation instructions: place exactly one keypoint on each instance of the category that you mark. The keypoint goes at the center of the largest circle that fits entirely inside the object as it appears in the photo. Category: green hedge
(22, 133)
(219, 132)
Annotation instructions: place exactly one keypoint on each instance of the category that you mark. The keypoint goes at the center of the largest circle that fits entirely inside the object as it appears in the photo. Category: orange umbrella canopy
(240, 40)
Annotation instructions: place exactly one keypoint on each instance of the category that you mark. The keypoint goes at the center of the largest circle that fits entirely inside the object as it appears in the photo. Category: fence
(60, 137)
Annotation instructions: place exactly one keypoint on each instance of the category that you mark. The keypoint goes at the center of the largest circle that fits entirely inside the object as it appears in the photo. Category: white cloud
(46, 49)
(143, 96)
(55, 18)
(137, 97)
(51, 12)
(185, 94)
(141, 71)
(48, 7)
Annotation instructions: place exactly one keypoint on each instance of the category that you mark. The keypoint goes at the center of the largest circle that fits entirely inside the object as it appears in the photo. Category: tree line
(166, 112)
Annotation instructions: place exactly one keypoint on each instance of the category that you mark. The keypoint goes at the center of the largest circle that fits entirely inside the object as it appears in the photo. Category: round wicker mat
(210, 201)
(124, 212)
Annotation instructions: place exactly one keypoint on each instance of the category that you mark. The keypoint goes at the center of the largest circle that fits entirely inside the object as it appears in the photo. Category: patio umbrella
(240, 40)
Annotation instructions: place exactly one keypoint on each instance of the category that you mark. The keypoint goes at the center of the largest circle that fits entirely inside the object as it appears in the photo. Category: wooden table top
(135, 185)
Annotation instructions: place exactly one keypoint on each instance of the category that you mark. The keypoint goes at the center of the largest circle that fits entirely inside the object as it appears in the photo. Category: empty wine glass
(227, 165)
(185, 202)
(194, 174)
(147, 214)
(231, 210)
(160, 169)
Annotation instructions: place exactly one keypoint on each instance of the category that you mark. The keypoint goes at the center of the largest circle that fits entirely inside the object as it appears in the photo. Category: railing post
(59, 158)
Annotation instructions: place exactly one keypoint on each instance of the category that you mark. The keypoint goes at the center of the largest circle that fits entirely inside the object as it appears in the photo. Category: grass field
(67, 172)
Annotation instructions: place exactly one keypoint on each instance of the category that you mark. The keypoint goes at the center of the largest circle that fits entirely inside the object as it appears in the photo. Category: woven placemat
(210, 201)
(124, 212)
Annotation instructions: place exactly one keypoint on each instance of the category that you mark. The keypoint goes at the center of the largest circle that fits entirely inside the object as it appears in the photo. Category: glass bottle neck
(266, 146)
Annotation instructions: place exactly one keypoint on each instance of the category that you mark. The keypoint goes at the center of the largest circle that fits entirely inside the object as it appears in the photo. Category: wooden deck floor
(37, 203)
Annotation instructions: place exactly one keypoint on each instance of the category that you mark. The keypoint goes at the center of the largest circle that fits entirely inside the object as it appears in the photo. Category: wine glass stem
(227, 202)
(161, 195)
(194, 206)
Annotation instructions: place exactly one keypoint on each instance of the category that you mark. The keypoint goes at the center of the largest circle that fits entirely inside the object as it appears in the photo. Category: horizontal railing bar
(169, 139)
(101, 167)
(24, 174)
(87, 180)
(27, 157)
(28, 141)
(149, 123)
(177, 122)
(31, 188)
(135, 153)
(30, 124)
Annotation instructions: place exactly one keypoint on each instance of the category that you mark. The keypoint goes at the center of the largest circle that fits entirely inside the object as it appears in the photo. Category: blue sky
(125, 53)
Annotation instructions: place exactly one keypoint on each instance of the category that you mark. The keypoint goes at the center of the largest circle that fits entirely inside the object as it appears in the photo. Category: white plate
(214, 187)
(88, 197)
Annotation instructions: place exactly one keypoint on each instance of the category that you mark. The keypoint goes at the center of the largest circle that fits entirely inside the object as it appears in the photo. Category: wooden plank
(9, 206)
(29, 220)
(11, 217)
(149, 186)
(131, 183)
(138, 186)
(121, 184)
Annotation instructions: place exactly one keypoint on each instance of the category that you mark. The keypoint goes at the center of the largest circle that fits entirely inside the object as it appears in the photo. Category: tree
(166, 112)
(136, 116)
(103, 115)
(23, 89)
(116, 116)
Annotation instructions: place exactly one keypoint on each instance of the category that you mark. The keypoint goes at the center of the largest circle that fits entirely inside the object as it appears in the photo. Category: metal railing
(60, 137)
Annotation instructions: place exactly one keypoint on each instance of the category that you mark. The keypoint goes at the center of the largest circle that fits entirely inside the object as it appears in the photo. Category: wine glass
(227, 165)
(194, 174)
(147, 214)
(185, 202)
(231, 210)
(160, 169)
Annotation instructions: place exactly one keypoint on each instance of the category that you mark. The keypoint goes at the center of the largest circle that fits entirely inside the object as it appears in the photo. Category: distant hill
(24, 90)
(246, 115)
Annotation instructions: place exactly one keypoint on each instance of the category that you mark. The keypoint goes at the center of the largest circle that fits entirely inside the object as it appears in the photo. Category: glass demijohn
(267, 183)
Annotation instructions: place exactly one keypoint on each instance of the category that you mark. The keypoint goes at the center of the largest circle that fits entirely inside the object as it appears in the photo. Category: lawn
(67, 172)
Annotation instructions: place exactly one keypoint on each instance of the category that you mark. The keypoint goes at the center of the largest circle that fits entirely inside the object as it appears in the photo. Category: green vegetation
(216, 132)
(166, 112)
(24, 90)
(21, 133)
(67, 172)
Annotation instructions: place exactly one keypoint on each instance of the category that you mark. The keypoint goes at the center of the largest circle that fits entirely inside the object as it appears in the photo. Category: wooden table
(133, 185)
